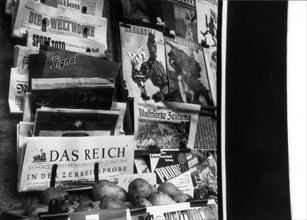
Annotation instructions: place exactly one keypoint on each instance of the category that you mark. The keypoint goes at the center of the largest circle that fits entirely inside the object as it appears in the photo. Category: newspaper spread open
(33, 15)
(75, 158)
(86, 46)
(18, 86)
(167, 125)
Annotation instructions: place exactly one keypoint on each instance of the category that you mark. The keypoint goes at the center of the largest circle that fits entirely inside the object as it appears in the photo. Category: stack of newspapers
(72, 131)
(63, 85)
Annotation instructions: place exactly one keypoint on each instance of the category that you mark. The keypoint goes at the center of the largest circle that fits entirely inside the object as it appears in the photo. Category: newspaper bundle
(167, 125)
(75, 159)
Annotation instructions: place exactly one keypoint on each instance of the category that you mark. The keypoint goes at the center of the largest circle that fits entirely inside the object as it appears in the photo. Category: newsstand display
(119, 106)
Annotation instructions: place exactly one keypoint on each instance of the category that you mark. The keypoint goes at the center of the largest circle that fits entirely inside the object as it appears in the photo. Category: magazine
(57, 63)
(143, 62)
(34, 15)
(75, 44)
(18, 87)
(76, 122)
(207, 21)
(172, 166)
(188, 76)
(207, 18)
(75, 159)
(173, 16)
(167, 125)
(203, 169)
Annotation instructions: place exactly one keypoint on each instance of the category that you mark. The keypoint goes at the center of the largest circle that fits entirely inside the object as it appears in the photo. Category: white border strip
(296, 88)
(223, 102)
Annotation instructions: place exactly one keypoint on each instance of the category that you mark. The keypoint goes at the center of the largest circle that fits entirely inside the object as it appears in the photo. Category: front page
(166, 125)
(75, 158)
(143, 62)
(33, 15)
(86, 46)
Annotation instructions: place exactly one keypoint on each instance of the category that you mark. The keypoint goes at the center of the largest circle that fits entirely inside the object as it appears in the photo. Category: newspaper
(76, 122)
(143, 62)
(66, 83)
(21, 56)
(27, 114)
(89, 7)
(33, 15)
(183, 211)
(87, 97)
(86, 46)
(24, 129)
(166, 125)
(106, 214)
(19, 80)
(75, 159)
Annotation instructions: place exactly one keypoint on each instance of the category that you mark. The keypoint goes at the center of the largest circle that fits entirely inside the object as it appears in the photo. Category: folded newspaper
(89, 7)
(178, 211)
(19, 81)
(75, 159)
(86, 46)
(166, 125)
(76, 122)
(34, 15)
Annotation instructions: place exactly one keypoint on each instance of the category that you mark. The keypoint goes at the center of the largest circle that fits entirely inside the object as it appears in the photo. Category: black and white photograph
(152, 110)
